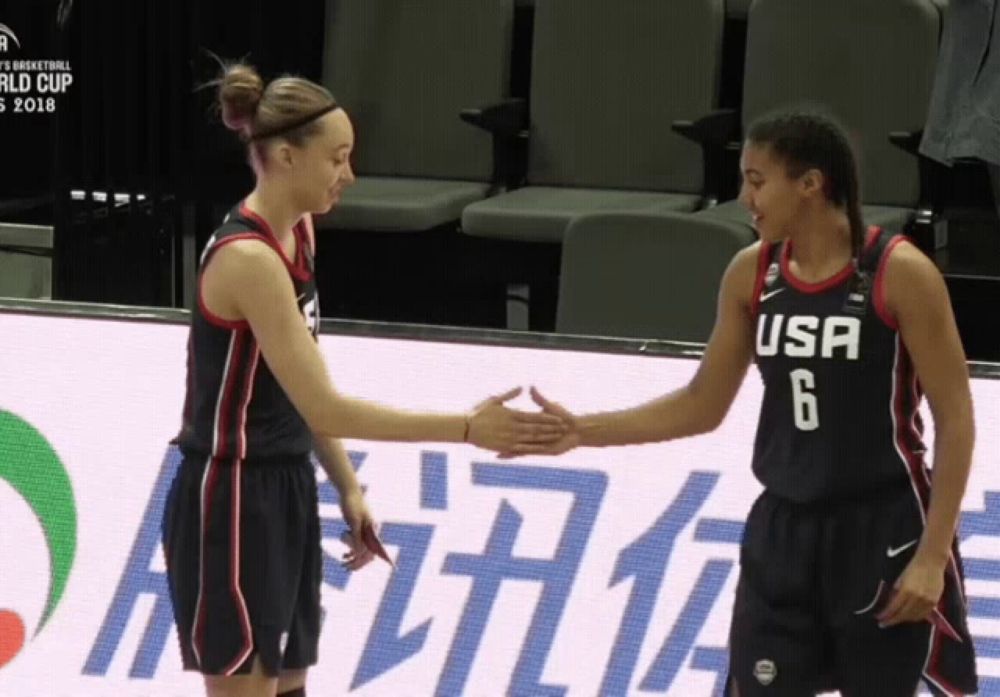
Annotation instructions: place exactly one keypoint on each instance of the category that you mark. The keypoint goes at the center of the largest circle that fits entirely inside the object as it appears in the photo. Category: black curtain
(132, 123)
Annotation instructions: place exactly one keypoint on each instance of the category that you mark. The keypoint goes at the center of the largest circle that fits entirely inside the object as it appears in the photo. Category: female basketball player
(850, 574)
(241, 528)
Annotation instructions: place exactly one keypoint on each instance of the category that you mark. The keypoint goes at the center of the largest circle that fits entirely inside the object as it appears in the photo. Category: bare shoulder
(906, 259)
(242, 275)
(913, 286)
(246, 259)
(745, 260)
(741, 275)
(911, 278)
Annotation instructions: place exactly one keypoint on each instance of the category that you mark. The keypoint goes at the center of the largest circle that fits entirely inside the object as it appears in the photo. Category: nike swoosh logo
(767, 296)
(896, 551)
(302, 296)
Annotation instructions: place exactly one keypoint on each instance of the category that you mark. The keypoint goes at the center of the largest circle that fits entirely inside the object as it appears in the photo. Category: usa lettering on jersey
(809, 336)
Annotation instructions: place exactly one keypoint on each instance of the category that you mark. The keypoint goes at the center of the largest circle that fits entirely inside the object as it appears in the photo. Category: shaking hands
(513, 433)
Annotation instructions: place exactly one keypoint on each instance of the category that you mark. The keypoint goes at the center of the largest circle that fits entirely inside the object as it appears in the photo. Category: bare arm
(337, 465)
(249, 280)
(918, 298)
(703, 403)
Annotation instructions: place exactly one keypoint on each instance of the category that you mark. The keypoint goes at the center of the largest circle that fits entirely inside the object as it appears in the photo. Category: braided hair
(806, 140)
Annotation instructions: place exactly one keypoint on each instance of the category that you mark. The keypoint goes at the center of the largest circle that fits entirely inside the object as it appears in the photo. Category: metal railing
(415, 332)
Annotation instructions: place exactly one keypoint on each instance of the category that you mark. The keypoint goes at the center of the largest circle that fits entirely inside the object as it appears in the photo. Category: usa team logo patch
(765, 671)
(772, 275)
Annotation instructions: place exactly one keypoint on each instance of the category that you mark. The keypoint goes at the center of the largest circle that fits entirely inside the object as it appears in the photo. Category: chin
(325, 207)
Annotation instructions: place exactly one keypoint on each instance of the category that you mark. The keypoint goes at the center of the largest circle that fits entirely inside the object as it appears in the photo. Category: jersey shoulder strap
(859, 297)
(236, 222)
(878, 242)
(233, 225)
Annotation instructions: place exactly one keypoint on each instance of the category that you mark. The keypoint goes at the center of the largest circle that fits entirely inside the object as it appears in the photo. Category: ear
(812, 183)
(284, 154)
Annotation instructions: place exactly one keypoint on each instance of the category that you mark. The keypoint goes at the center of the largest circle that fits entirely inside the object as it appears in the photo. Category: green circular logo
(30, 465)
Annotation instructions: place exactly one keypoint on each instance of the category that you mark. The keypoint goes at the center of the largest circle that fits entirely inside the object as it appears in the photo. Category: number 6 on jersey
(804, 402)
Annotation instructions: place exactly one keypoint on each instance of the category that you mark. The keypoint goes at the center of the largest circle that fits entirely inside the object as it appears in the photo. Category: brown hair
(287, 106)
(810, 139)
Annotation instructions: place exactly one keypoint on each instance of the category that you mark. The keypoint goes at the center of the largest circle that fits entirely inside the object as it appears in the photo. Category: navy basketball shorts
(813, 577)
(244, 564)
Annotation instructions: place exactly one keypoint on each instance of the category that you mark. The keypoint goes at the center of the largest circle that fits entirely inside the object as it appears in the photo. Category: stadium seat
(404, 71)
(607, 81)
(872, 65)
(645, 275)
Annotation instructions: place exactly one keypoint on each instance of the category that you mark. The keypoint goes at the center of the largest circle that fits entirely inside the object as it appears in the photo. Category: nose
(348, 177)
(745, 197)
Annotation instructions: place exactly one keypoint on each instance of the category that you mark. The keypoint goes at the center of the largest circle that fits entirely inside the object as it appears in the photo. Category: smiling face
(316, 172)
(325, 169)
(776, 197)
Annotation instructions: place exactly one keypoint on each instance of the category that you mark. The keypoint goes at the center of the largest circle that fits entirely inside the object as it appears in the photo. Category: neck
(822, 242)
(275, 207)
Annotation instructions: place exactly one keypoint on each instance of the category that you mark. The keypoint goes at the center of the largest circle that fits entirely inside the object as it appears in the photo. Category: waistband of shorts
(879, 494)
(277, 460)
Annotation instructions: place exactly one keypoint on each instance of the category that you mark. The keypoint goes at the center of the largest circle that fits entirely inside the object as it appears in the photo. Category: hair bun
(240, 92)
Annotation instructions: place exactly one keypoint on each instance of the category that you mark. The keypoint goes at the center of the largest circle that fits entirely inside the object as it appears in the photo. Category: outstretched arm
(697, 407)
(251, 282)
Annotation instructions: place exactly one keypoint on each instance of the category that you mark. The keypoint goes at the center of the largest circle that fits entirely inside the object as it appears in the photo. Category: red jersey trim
(300, 249)
(210, 316)
(235, 588)
(832, 282)
(307, 225)
(878, 295)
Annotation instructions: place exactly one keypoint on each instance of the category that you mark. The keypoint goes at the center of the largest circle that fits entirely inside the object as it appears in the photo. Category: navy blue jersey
(839, 417)
(235, 407)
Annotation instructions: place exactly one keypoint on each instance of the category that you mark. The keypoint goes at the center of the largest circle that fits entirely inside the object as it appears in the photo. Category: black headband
(292, 125)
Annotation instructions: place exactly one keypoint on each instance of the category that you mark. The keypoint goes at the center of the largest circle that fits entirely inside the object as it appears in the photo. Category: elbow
(692, 424)
(321, 431)
(954, 441)
(956, 421)
(706, 414)
(708, 421)
(957, 430)
(329, 420)
(320, 426)
(686, 414)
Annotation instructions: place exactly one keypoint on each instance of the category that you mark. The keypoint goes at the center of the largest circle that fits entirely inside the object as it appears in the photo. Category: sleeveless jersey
(235, 407)
(839, 417)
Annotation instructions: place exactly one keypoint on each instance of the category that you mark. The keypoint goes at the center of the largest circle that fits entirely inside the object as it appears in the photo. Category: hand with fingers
(358, 520)
(510, 432)
(571, 437)
(561, 441)
(916, 593)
